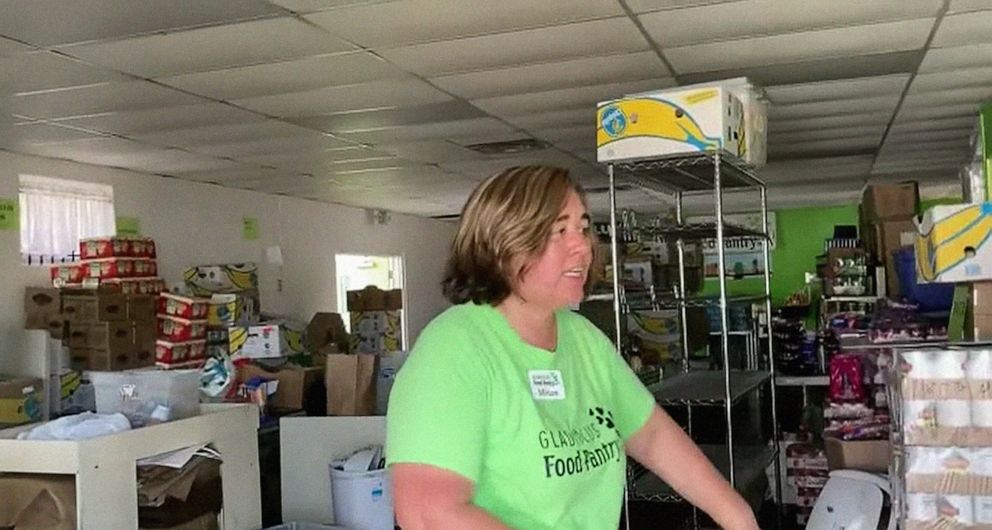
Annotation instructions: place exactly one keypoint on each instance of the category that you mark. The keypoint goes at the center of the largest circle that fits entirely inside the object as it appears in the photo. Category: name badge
(546, 384)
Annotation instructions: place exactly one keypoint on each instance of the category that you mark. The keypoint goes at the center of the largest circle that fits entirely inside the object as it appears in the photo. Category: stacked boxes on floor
(231, 293)
(375, 320)
(109, 330)
(886, 220)
(182, 331)
(115, 264)
(944, 476)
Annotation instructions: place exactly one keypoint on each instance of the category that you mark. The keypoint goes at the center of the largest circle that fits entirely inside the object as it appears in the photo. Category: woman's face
(556, 277)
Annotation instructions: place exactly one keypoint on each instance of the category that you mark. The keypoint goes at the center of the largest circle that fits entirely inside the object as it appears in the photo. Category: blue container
(930, 296)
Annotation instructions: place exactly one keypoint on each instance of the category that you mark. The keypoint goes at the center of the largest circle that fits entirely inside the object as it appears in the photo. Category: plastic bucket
(362, 500)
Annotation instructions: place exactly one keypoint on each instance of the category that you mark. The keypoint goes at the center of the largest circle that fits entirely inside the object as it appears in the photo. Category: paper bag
(34, 502)
(351, 384)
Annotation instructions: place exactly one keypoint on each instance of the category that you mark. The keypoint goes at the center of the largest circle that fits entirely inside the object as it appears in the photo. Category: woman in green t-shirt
(514, 412)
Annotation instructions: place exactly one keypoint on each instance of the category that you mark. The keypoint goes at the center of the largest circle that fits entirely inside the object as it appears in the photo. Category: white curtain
(57, 213)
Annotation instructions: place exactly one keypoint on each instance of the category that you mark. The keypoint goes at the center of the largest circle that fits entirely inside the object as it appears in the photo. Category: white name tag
(546, 384)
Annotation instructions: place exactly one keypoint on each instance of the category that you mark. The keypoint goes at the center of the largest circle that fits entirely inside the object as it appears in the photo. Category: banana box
(953, 244)
(20, 400)
(204, 280)
(376, 331)
(670, 123)
(268, 340)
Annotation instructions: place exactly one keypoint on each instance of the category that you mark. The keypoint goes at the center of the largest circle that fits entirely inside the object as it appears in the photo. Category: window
(57, 213)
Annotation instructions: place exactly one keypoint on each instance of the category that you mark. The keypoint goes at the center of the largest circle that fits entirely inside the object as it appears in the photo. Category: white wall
(194, 223)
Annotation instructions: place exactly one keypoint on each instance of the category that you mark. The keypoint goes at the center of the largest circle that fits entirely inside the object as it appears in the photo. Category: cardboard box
(133, 285)
(890, 202)
(20, 400)
(176, 329)
(372, 298)
(294, 382)
(63, 275)
(43, 310)
(325, 329)
(179, 353)
(275, 339)
(204, 280)
(93, 306)
(145, 335)
(233, 309)
(872, 455)
(141, 307)
(888, 236)
(83, 359)
(113, 337)
(188, 307)
(351, 384)
(669, 123)
(376, 332)
(35, 501)
(953, 244)
(755, 148)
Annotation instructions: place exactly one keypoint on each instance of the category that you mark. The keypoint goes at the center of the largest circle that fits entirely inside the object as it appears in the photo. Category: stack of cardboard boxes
(109, 330)
(887, 223)
(182, 331)
(117, 264)
(231, 291)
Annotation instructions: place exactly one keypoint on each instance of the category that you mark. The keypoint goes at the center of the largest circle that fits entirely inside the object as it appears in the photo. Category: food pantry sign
(743, 255)
(9, 214)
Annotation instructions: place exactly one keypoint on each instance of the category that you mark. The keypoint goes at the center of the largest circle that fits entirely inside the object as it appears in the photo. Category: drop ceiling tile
(963, 6)
(814, 70)
(969, 77)
(42, 70)
(566, 98)
(970, 56)
(416, 21)
(735, 20)
(375, 164)
(961, 135)
(643, 6)
(977, 95)
(784, 126)
(211, 47)
(820, 133)
(308, 143)
(917, 147)
(816, 168)
(964, 28)
(838, 89)
(436, 151)
(851, 144)
(901, 124)
(366, 96)
(109, 151)
(395, 117)
(282, 183)
(171, 161)
(548, 76)
(53, 22)
(478, 127)
(94, 99)
(914, 111)
(148, 121)
(31, 133)
(216, 134)
(11, 47)
(877, 104)
(308, 159)
(287, 76)
(555, 119)
(226, 175)
(554, 43)
(309, 6)
(802, 46)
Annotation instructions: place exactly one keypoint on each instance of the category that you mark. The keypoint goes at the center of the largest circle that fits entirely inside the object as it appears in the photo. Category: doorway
(357, 271)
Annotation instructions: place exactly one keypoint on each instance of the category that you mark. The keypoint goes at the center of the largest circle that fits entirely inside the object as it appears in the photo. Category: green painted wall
(800, 233)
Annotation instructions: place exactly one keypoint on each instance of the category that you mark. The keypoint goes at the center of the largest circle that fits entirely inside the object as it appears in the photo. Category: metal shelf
(687, 172)
(695, 231)
(803, 380)
(750, 464)
(672, 303)
(706, 387)
(851, 299)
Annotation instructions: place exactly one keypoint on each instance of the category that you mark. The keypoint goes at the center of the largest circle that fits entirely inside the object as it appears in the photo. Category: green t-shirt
(540, 434)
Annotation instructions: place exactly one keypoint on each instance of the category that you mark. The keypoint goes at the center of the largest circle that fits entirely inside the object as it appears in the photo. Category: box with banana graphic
(954, 244)
(669, 123)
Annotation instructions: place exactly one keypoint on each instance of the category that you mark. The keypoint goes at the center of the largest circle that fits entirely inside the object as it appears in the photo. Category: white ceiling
(371, 103)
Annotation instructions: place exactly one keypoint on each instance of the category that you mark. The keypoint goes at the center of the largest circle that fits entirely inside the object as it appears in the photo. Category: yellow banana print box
(954, 244)
(670, 123)
(264, 341)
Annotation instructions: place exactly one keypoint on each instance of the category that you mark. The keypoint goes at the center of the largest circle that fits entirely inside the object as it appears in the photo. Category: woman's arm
(665, 449)
(428, 497)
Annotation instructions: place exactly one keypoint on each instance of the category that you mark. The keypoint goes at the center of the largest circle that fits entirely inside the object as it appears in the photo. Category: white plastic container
(362, 500)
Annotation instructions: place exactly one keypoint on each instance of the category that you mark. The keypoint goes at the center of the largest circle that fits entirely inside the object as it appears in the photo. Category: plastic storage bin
(362, 500)
(147, 396)
(930, 296)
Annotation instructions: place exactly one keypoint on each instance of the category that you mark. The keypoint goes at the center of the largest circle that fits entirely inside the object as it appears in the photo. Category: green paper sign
(128, 226)
(10, 215)
(250, 228)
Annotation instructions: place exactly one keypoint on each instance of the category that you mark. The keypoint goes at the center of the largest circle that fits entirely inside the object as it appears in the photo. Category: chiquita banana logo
(242, 276)
(294, 340)
(951, 240)
(655, 325)
(648, 117)
(237, 337)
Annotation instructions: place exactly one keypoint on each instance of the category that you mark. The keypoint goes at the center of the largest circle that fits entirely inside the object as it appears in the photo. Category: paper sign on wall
(9, 214)
(128, 226)
(250, 228)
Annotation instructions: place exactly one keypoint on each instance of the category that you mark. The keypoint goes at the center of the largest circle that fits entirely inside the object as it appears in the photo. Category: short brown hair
(509, 215)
